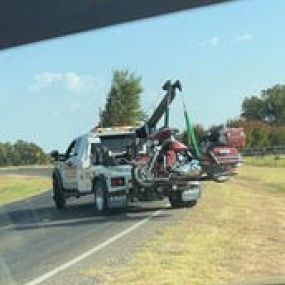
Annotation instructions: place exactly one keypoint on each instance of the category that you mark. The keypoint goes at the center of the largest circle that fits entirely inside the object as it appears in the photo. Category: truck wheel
(58, 194)
(100, 196)
(191, 204)
(175, 200)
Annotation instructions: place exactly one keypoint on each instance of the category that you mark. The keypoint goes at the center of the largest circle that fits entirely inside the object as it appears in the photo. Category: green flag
(191, 139)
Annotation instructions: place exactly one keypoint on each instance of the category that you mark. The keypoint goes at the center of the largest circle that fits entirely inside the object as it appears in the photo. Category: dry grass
(236, 233)
(267, 178)
(267, 160)
(14, 188)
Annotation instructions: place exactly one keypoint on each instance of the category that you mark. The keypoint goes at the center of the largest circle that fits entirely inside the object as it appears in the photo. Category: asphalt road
(42, 245)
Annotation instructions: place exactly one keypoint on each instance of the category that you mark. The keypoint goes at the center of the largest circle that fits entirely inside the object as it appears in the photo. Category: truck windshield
(118, 143)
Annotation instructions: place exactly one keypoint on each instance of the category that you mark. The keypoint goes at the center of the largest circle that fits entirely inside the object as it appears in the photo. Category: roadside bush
(22, 153)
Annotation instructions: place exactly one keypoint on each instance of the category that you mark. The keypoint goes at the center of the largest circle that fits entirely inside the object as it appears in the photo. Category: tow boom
(163, 108)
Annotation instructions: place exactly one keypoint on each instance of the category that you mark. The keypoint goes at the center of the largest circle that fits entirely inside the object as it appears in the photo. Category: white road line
(88, 253)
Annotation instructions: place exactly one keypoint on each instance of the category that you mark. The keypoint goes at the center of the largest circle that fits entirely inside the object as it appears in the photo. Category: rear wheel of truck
(191, 204)
(100, 196)
(175, 200)
(58, 193)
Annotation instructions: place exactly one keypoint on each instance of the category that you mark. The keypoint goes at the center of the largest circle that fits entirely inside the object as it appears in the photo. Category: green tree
(277, 136)
(123, 101)
(269, 107)
(9, 154)
(253, 109)
(22, 153)
(3, 155)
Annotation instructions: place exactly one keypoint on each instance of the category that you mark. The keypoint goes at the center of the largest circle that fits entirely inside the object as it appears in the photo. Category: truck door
(71, 164)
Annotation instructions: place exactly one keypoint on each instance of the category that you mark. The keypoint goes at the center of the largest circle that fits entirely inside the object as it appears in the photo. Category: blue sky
(51, 91)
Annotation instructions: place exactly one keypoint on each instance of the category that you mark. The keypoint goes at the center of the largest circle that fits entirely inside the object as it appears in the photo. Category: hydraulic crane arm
(161, 109)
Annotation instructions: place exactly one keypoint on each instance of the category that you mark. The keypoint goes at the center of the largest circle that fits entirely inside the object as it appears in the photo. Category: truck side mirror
(55, 155)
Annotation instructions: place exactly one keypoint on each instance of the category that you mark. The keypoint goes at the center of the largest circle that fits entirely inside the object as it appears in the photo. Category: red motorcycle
(220, 156)
(165, 159)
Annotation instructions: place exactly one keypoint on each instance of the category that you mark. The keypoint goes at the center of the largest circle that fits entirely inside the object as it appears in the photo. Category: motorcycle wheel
(141, 176)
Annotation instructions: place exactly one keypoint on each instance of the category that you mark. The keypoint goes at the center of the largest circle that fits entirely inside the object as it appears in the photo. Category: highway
(42, 245)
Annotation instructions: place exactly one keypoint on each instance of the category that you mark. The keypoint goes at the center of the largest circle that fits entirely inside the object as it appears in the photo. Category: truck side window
(96, 154)
(71, 150)
(77, 147)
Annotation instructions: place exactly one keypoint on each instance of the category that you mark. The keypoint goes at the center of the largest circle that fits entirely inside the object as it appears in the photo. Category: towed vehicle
(168, 162)
(97, 163)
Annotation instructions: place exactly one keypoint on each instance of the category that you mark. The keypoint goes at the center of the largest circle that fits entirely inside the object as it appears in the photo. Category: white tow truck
(97, 164)
(91, 166)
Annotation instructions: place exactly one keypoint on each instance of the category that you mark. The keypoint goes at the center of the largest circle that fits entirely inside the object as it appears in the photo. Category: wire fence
(263, 151)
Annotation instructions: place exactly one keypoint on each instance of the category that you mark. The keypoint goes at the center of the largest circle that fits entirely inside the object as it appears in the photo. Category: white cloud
(243, 38)
(214, 42)
(70, 81)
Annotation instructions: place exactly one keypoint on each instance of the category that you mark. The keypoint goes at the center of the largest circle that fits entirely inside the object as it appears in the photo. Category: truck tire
(58, 193)
(100, 196)
(191, 204)
(175, 200)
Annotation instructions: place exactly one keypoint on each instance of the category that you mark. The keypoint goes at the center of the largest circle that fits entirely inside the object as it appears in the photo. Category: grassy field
(14, 188)
(268, 160)
(235, 234)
